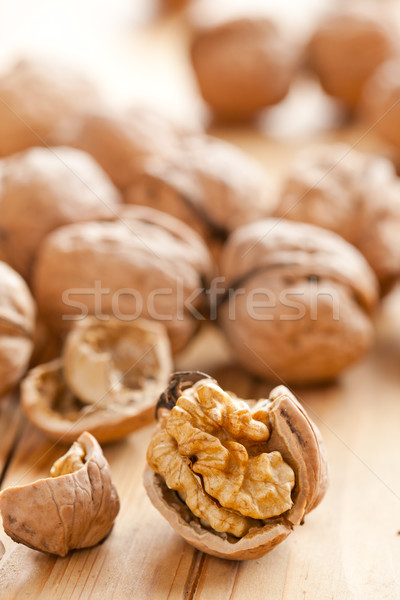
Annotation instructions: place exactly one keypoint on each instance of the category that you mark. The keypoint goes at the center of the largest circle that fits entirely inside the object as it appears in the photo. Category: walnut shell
(17, 326)
(380, 101)
(212, 186)
(121, 142)
(74, 508)
(242, 66)
(354, 194)
(290, 435)
(98, 354)
(146, 264)
(62, 185)
(36, 97)
(300, 301)
(107, 382)
(346, 48)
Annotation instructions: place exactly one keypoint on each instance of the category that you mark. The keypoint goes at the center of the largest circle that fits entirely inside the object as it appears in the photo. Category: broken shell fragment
(107, 383)
(74, 508)
(233, 479)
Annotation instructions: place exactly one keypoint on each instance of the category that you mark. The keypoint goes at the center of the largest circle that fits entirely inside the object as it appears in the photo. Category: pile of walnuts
(116, 230)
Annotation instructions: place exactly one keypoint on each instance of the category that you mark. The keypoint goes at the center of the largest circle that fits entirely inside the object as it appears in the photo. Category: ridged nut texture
(300, 304)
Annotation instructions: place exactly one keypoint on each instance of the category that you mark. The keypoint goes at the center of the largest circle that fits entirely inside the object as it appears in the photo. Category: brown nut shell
(346, 48)
(116, 361)
(355, 194)
(118, 370)
(212, 186)
(242, 66)
(298, 440)
(37, 95)
(121, 142)
(301, 311)
(71, 510)
(129, 260)
(380, 101)
(48, 187)
(17, 326)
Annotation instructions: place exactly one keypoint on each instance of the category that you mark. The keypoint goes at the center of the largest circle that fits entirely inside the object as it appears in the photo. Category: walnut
(354, 194)
(242, 66)
(62, 185)
(74, 508)
(107, 382)
(146, 264)
(231, 478)
(212, 186)
(17, 326)
(300, 301)
(36, 97)
(380, 101)
(346, 48)
(121, 142)
(47, 344)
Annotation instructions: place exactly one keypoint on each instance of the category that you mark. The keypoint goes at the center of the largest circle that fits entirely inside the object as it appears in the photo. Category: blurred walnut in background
(36, 97)
(211, 185)
(355, 194)
(42, 189)
(208, 183)
(345, 49)
(242, 66)
(381, 101)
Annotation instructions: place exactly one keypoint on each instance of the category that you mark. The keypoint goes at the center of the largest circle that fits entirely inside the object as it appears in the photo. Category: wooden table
(349, 548)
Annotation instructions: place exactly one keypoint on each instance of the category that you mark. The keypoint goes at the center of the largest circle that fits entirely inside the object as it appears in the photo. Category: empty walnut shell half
(62, 185)
(300, 301)
(233, 479)
(74, 508)
(17, 327)
(347, 47)
(352, 193)
(242, 66)
(108, 381)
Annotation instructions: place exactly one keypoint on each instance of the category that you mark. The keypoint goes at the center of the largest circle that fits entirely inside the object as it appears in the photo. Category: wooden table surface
(349, 547)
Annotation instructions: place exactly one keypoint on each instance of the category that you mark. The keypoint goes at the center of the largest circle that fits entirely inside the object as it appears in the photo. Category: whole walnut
(17, 326)
(354, 194)
(345, 49)
(120, 142)
(242, 66)
(233, 477)
(145, 264)
(42, 189)
(37, 95)
(212, 186)
(73, 508)
(380, 101)
(300, 301)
